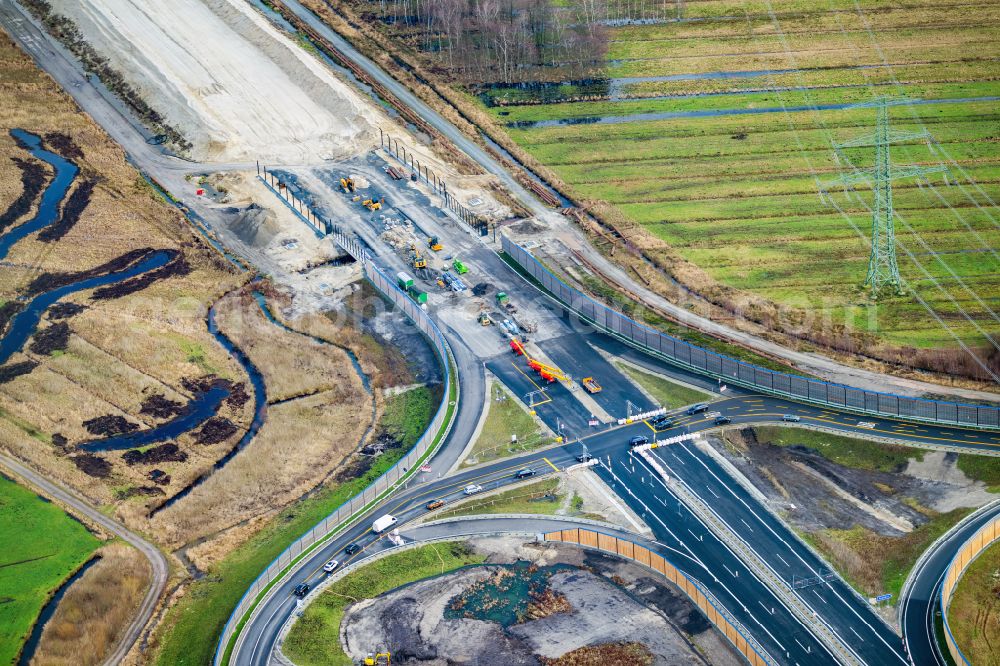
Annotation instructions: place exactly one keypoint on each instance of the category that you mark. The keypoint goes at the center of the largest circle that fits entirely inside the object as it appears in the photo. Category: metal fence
(710, 606)
(705, 362)
(349, 509)
(397, 149)
(977, 543)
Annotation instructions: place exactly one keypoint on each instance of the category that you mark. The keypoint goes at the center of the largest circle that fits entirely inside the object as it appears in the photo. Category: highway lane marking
(691, 555)
(550, 463)
(856, 633)
(820, 596)
(769, 610)
(780, 538)
(888, 432)
(548, 399)
(779, 556)
(450, 488)
(750, 528)
(764, 585)
(256, 643)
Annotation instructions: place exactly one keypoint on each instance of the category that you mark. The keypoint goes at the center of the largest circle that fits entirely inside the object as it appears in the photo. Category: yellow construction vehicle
(376, 659)
(372, 204)
(549, 373)
(591, 385)
(484, 319)
(348, 184)
(419, 261)
(434, 244)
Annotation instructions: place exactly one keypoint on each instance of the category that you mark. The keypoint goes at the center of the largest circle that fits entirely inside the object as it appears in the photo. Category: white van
(383, 523)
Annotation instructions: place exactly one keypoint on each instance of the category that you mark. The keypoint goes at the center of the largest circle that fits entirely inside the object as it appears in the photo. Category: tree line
(487, 41)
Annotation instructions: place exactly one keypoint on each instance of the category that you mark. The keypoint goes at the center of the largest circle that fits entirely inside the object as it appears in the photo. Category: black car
(722, 420)
(584, 457)
(661, 422)
(353, 548)
(638, 440)
(301, 590)
(524, 473)
(694, 409)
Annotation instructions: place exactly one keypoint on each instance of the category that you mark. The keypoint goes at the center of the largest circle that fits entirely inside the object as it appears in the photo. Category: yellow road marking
(550, 463)
(528, 377)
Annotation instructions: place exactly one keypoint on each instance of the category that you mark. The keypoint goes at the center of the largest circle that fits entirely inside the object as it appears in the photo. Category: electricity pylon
(883, 270)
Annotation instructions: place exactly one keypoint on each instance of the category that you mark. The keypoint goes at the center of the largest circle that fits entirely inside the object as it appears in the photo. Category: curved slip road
(920, 600)
(157, 562)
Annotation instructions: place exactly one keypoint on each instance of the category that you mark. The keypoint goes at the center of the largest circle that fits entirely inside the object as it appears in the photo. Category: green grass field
(507, 417)
(536, 498)
(315, 637)
(973, 616)
(667, 393)
(42, 547)
(737, 194)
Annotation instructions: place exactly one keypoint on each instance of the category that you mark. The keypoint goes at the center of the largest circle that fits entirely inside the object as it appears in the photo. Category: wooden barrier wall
(976, 544)
(651, 560)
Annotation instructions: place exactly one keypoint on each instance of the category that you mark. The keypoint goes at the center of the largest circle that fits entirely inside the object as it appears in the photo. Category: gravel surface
(227, 79)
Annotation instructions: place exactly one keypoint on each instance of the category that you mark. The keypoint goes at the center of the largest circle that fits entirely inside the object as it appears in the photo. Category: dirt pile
(71, 212)
(109, 425)
(460, 618)
(216, 429)
(64, 310)
(634, 654)
(228, 80)
(177, 266)
(13, 370)
(8, 311)
(63, 144)
(92, 465)
(49, 281)
(254, 225)
(32, 182)
(51, 339)
(168, 452)
(160, 407)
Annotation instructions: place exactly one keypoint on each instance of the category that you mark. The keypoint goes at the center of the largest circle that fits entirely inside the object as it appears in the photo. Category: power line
(883, 270)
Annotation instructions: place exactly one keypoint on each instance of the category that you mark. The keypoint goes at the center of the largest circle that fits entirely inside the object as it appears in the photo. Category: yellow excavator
(419, 261)
(377, 659)
(434, 244)
(348, 184)
(372, 204)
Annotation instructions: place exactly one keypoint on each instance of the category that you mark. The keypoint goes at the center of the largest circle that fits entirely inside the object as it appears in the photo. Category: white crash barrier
(643, 416)
(664, 442)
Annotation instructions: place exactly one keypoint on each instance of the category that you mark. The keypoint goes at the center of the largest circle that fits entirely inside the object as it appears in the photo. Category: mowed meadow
(713, 134)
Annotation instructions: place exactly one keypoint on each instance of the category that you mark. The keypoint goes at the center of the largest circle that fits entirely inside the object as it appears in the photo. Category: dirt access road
(171, 170)
(157, 562)
(573, 238)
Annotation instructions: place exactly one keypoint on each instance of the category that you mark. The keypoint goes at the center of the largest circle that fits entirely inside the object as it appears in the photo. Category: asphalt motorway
(699, 558)
(743, 409)
(686, 542)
